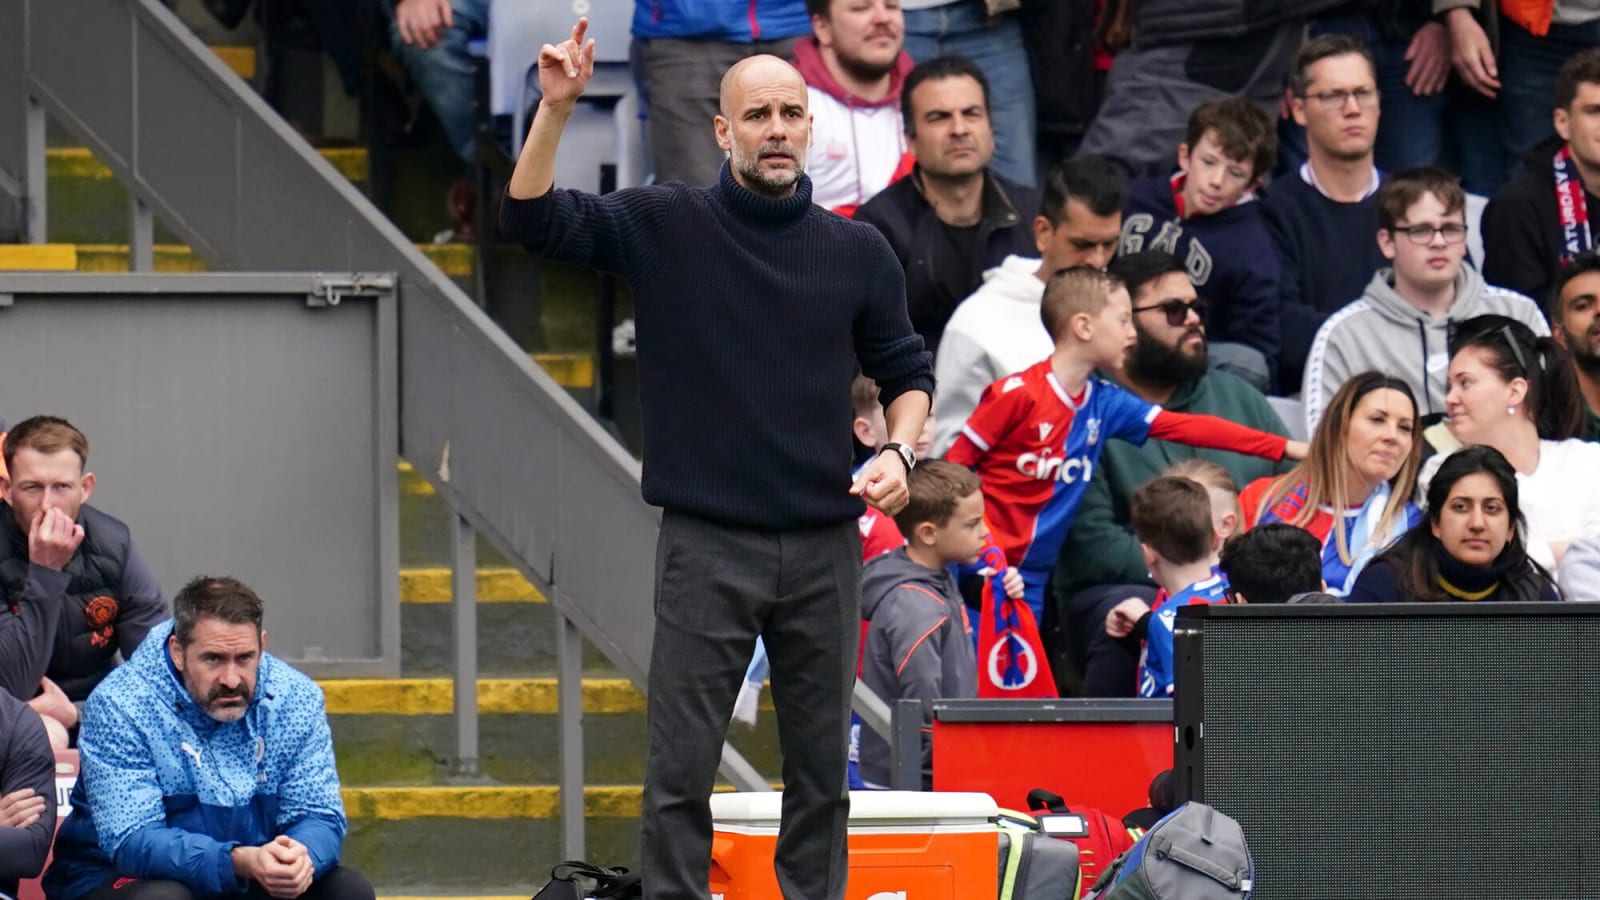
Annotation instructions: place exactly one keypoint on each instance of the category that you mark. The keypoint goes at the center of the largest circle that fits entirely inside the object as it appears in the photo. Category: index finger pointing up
(579, 30)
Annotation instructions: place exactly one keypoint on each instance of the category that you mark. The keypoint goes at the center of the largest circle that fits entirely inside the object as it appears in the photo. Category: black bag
(576, 880)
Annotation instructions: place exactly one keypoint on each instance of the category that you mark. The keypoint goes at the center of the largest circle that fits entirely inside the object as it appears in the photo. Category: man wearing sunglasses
(1101, 563)
(1401, 324)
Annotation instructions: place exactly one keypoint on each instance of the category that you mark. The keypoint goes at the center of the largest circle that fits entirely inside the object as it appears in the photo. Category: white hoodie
(993, 333)
(1383, 331)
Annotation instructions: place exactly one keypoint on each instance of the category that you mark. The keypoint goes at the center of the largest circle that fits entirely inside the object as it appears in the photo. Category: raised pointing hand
(564, 69)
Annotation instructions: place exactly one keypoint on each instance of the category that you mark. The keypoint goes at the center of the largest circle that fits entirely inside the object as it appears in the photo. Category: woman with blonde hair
(1353, 490)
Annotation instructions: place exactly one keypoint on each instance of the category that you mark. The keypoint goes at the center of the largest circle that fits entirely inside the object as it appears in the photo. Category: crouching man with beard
(1101, 564)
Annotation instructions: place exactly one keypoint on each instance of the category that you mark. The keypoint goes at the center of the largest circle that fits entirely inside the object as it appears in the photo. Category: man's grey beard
(757, 180)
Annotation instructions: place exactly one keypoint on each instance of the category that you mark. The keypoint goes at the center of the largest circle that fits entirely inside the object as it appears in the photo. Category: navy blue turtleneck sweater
(751, 314)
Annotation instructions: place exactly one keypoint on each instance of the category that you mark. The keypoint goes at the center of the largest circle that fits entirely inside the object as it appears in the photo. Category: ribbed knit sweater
(752, 315)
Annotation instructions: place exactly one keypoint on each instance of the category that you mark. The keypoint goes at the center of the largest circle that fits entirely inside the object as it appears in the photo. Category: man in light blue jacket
(207, 769)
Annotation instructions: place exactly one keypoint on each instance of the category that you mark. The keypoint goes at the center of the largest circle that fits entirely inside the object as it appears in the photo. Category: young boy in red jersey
(1036, 435)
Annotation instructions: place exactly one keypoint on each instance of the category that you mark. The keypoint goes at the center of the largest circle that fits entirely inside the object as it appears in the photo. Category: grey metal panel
(86, 30)
(13, 95)
(181, 165)
(233, 428)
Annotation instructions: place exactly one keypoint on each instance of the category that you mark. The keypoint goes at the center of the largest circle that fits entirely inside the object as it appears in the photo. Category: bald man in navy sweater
(753, 302)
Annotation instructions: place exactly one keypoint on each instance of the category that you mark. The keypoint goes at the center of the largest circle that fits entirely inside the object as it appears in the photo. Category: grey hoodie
(918, 646)
(1383, 331)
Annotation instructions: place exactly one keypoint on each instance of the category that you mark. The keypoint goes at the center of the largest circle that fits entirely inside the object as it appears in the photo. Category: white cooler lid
(867, 808)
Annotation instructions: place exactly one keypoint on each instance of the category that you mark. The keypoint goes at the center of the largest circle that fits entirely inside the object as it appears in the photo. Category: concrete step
(454, 260)
(471, 840)
(399, 732)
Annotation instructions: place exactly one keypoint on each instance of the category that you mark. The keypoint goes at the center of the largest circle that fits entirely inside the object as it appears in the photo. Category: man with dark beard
(1101, 564)
(1576, 312)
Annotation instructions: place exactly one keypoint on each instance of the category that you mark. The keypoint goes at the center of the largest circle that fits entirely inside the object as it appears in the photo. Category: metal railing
(516, 458)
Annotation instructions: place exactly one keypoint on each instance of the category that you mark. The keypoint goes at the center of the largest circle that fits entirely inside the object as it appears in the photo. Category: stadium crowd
(1371, 230)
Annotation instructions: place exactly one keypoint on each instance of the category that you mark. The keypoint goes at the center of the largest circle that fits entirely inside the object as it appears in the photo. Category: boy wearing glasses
(1401, 323)
(1207, 216)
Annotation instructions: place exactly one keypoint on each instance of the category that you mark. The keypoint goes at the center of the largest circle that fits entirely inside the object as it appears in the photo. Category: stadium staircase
(418, 828)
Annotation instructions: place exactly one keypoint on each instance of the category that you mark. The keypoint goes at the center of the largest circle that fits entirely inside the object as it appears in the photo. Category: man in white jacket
(1401, 323)
(997, 330)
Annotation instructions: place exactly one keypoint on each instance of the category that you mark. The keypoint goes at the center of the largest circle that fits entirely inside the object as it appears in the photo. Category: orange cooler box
(904, 845)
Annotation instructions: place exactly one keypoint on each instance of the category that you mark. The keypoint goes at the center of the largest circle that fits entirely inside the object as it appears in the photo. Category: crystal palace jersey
(1156, 663)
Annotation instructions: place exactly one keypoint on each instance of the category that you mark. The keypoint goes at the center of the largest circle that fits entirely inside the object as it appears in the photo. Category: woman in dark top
(1469, 547)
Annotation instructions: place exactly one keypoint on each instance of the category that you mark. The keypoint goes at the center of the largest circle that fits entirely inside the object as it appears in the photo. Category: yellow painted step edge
(79, 162)
(502, 696)
(454, 260)
(242, 60)
(395, 804)
(494, 586)
(432, 696)
(38, 257)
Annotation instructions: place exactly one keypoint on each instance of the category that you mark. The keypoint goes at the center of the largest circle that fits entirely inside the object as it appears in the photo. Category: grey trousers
(717, 587)
(682, 83)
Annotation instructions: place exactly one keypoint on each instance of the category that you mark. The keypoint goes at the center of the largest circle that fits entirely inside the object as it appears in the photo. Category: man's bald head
(762, 70)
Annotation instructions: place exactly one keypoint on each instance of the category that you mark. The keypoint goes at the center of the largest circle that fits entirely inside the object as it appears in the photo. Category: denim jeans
(1528, 67)
(963, 27)
(444, 74)
(1410, 129)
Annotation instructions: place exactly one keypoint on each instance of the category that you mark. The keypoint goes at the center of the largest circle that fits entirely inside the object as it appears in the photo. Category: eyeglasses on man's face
(1332, 101)
(1177, 311)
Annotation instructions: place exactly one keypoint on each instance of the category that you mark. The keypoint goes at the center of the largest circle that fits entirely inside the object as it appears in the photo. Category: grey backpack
(1034, 866)
(1194, 853)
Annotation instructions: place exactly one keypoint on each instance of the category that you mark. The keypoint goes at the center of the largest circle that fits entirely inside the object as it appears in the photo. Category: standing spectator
(1401, 323)
(993, 41)
(1517, 393)
(1353, 493)
(1533, 37)
(432, 39)
(754, 302)
(207, 769)
(74, 590)
(1470, 547)
(854, 69)
(1540, 219)
(1577, 328)
(1037, 436)
(681, 49)
(1321, 216)
(1185, 53)
(27, 794)
(997, 330)
(1206, 215)
(1412, 52)
(952, 217)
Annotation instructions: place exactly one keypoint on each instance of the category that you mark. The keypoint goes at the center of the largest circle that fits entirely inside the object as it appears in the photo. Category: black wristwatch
(907, 455)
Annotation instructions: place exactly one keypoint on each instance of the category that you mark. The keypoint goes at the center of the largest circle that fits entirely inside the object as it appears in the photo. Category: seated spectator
(1469, 548)
(1540, 218)
(854, 69)
(1401, 324)
(169, 738)
(997, 330)
(681, 49)
(1580, 571)
(1517, 393)
(1320, 216)
(1172, 517)
(1272, 564)
(1577, 328)
(74, 590)
(991, 38)
(919, 643)
(1353, 492)
(27, 794)
(1109, 662)
(1167, 365)
(952, 218)
(1207, 216)
(1036, 436)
